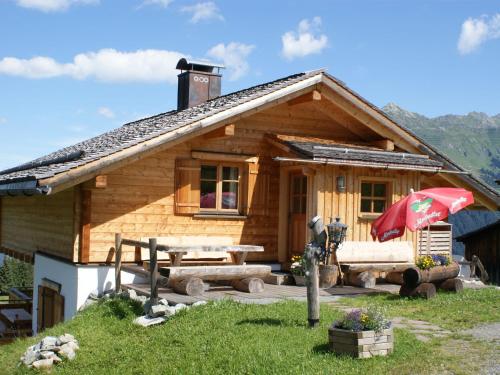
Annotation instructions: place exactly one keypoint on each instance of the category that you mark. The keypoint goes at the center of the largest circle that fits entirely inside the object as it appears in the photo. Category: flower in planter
(371, 319)
(298, 266)
(426, 262)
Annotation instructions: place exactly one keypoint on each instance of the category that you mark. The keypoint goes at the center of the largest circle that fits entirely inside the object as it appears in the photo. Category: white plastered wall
(77, 282)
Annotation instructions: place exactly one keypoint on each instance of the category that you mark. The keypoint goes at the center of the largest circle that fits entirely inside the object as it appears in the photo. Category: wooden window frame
(218, 210)
(389, 183)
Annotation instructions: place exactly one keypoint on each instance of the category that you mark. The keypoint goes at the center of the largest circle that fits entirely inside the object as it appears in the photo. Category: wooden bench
(363, 261)
(189, 279)
(187, 261)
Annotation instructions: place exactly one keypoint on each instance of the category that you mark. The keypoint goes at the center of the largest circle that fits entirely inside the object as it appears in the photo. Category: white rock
(43, 364)
(30, 356)
(199, 303)
(67, 351)
(157, 310)
(132, 294)
(163, 301)
(146, 321)
(179, 307)
(73, 345)
(48, 343)
(63, 339)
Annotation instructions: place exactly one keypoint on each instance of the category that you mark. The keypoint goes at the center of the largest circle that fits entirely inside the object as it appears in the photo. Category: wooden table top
(16, 315)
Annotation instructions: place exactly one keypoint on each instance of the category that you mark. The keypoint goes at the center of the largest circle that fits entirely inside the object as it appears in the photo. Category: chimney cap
(200, 65)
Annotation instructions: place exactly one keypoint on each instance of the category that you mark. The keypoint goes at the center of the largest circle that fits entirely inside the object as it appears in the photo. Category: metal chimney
(198, 82)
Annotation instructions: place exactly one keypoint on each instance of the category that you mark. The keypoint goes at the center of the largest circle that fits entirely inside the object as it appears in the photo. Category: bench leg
(364, 279)
(249, 285)
(192, 287)
(239, 257)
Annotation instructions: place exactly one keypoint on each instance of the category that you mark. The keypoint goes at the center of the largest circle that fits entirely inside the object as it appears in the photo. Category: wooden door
(297, 214)
(50, 308)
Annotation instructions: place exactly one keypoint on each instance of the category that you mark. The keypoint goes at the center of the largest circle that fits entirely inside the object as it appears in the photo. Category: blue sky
(72, 69)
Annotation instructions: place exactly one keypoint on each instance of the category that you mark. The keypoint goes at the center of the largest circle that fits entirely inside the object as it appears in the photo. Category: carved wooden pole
(311, 255)
(118, 263)
(153, 271)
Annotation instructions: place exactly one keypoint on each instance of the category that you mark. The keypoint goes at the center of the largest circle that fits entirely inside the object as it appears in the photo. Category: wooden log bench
(363, 261)
(189, 279)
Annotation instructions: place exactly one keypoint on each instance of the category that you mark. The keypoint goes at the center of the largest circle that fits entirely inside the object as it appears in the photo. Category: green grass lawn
(231, 338)
(452, 311)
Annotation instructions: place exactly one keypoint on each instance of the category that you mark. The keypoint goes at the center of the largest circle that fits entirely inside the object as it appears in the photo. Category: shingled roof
(136, 132)
(129, 138)
(347, 154)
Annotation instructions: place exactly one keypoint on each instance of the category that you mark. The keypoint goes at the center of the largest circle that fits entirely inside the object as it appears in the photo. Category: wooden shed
(485, 244)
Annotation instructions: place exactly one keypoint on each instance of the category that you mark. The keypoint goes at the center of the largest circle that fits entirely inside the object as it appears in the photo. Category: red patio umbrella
(418, 210)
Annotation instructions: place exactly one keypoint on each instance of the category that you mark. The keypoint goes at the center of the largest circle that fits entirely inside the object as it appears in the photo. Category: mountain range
(472, 140)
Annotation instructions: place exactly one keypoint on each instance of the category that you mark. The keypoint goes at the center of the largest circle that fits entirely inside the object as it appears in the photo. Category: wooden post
(312, 282)
(118, 263)
(153, 269)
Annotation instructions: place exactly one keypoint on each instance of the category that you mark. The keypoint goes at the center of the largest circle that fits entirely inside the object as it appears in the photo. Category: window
(219, 187)
(373, 197)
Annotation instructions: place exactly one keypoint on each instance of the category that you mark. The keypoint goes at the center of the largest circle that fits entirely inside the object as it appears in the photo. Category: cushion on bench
(352, 252)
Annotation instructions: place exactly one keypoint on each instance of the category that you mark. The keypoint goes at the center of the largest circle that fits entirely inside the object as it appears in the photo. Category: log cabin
(249, 167)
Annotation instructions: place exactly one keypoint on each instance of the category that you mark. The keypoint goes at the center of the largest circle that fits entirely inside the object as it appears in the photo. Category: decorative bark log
(311, 255)
(191, 287)
(365, 279)
(215, 273)
(414, 276)
(451, 285)
(328, 275)
(424, 290)
(249, 285)
(394, 278)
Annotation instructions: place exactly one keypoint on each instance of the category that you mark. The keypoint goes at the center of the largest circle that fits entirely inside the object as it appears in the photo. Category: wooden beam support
(313, 96)
(118, 263)
(219, 156)
(153, 259)
(222, 132)
(85, 218)
(385, 144)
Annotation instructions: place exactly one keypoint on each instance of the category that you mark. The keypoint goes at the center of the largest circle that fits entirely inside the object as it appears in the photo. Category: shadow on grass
(272, 322)
(321, 349)
(122, 309)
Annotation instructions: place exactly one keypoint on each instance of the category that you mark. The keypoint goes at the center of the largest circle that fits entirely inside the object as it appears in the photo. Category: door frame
(284, 208)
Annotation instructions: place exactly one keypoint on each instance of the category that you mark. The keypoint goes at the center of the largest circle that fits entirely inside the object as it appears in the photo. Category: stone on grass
(43, 364)
(132, 294)
(199, 303)
(63, 339)
(158, 310)
(30, 356)
(49, 343)
(163, 301)
(146, 321)
(179, 307)
(67, 352)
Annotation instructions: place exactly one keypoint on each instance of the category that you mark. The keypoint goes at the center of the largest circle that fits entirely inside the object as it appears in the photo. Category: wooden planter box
(299, 280)
(364, 344)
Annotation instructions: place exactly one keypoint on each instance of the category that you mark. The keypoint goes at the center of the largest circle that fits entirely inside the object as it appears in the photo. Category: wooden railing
(153, 247)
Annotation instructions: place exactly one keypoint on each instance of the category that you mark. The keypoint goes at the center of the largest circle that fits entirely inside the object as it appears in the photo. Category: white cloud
(476, 31)
(52, 5)
(305, 41)
(107, 65)
(203, 12)
(106, 112)
(160, 3)
(233, 55)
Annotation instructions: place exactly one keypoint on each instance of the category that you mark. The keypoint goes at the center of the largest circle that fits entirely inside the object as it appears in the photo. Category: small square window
(219, 187)
(374, 197)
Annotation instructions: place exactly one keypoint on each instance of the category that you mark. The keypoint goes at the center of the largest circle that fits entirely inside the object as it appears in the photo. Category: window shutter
(187, 186)
(259, 177)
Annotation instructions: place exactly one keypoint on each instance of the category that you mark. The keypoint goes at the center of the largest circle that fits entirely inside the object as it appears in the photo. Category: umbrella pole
(428, 237)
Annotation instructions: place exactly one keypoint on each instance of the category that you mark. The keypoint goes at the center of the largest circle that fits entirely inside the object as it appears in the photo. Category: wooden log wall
(39, 223)
(331, 203)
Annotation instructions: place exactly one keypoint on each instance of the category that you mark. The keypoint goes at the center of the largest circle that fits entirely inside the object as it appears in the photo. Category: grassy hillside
(472, 140)
(231, 338)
